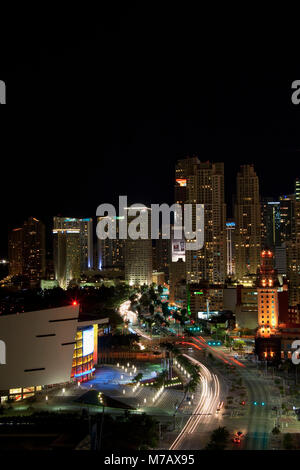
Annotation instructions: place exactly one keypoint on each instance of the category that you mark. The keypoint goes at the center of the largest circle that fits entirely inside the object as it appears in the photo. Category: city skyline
(47, 219)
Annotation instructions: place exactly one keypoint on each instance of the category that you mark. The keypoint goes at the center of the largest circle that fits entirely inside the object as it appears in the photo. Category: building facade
(39, 348)
(138, 255)
(15, 252)
(248, 222)
(203, 183)
(268, 305)
(72, 248)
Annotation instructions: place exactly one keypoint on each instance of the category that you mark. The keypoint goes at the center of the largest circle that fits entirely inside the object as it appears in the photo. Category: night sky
(110, 102)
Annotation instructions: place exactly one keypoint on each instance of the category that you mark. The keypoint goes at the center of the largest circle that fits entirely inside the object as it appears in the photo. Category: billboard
(88, 342)
(178, 250)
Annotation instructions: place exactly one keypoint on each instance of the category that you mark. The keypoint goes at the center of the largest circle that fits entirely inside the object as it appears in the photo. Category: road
(259, 423)
(204, 418)
(256, 421)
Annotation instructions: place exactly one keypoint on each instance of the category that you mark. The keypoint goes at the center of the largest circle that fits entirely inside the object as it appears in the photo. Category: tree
(138, 377)
(151, 309)
(218, 439)
(288, 442)
(276, 430)
(239, 345)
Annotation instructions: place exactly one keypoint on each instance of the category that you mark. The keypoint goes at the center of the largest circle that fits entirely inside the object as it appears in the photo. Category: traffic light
(262, 403)
(243, 403)
(255, 403)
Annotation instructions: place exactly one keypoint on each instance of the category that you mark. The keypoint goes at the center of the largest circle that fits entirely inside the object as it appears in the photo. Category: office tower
(293, 252)
(184, 169)
(271, 223)
(281, 259)
(203, 183)
(267, 296)
(15, 252)
(34, 251)
(230, 231)
(72, 248)
(86, 244)
(287, 220)
(26, 248)
(138, 256)
(110, 252)
(248, 222)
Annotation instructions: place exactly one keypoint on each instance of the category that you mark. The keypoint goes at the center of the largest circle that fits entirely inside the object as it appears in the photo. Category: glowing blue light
(85, 373)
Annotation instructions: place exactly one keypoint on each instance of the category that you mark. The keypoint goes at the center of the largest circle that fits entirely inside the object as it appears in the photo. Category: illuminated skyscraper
(86, 244)
(34, 252)
(271, 223)
(110, 252)
(248, 222)
(293, 252)
(26, 247)
(230, 231)
(15, 252)
(287, 220)
(203, 183)
(72, 248)
(138, 257)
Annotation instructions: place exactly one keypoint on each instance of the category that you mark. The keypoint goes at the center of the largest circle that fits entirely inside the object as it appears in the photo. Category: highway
(204, 418)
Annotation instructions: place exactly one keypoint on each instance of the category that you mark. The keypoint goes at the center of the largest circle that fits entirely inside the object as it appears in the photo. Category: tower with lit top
(268, 310)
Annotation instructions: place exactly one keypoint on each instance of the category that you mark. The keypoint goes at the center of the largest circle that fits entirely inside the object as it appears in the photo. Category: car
(236, 440)
(220, 406)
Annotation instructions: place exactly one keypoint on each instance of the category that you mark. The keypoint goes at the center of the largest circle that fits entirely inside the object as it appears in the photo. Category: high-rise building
(267, 296)
(138, 257)
(293, 251)
(26, 247)
(110, 252)
(72, 248)
(230, 231)
(248, 222)
(287, 203)
(271, 223)
(203, 183)
(86, 244)
(15, 252)
(34, 250)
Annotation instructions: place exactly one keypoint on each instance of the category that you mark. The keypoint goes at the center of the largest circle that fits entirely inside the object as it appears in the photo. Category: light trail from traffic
(207, 404)
(126, 313)
(227, 359)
